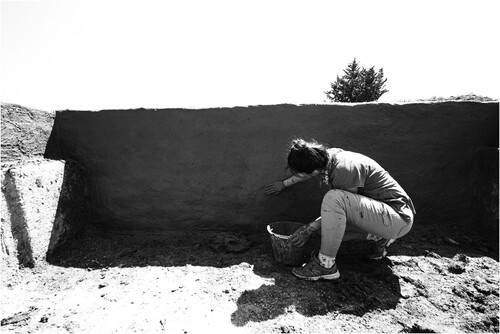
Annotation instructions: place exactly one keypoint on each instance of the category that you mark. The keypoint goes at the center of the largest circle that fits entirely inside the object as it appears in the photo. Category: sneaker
(313, 271)
(379, 249)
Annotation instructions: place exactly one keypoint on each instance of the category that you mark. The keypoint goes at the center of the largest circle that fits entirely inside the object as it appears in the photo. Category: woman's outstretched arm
(278, 186)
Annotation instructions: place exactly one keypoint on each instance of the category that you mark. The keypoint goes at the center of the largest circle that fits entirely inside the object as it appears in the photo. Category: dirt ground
(106, 282)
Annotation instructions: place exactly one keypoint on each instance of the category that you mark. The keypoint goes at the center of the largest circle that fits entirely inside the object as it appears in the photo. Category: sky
(93, 55)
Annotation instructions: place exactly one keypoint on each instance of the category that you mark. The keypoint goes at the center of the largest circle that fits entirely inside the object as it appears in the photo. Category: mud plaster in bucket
(284, 252)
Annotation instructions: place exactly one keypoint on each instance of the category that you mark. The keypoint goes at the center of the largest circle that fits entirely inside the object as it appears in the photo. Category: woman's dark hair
(305, 157)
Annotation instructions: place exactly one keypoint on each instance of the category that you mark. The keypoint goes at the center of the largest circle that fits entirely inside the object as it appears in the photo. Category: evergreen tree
(358, 85)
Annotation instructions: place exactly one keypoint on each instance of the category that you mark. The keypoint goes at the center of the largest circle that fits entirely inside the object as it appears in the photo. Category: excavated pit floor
(104, 281)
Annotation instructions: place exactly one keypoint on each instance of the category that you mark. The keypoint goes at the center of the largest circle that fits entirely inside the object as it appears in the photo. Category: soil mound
(25, 132)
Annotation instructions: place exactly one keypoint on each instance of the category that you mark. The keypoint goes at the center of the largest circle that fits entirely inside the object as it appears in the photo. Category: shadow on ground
(364, 286)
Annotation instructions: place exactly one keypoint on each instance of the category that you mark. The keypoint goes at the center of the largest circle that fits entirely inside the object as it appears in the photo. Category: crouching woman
(364, 202)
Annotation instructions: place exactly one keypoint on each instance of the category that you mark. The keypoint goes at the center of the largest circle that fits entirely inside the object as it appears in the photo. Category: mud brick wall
(207, 169)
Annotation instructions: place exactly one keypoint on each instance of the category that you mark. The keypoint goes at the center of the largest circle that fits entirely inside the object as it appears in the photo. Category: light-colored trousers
(348, 216)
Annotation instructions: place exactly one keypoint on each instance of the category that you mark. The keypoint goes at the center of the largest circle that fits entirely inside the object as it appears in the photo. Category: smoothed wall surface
(207, 169)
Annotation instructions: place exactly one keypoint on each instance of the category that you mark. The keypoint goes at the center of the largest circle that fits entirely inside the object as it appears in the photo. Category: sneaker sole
(317, 278)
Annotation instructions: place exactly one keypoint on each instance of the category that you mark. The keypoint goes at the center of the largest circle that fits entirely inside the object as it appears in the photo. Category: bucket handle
(280, 236)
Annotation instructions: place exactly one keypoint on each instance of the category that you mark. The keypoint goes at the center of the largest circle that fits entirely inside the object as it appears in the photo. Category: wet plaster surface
(158, 169)
(432, 281)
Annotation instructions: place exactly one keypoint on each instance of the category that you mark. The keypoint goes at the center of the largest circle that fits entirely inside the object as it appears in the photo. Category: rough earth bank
(433, 281)
(25, 132)
(41, 200)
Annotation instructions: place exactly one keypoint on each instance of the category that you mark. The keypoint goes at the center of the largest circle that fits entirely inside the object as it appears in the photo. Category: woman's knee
(334, 197)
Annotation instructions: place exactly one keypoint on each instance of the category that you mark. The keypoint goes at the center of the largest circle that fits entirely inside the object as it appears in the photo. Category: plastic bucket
(285, 252)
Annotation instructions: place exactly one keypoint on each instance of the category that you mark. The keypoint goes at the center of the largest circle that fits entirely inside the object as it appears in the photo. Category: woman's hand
(275, 188)
(300, 237)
